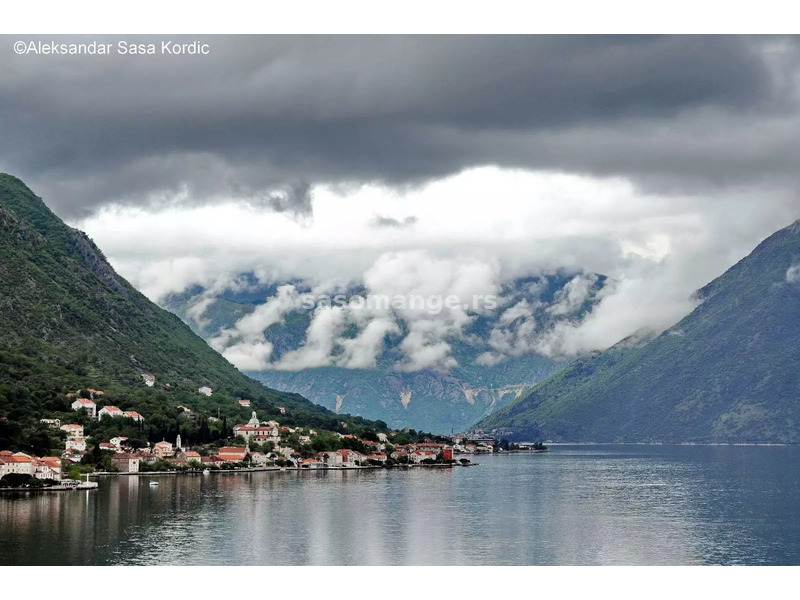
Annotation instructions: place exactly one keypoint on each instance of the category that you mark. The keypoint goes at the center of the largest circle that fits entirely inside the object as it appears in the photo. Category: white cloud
(793, 274)
(473, 232)
(573, 295)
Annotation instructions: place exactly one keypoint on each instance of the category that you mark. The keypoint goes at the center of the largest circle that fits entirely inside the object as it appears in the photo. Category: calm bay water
(577, 505)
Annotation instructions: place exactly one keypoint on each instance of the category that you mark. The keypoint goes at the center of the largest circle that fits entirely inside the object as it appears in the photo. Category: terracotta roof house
(126, 463)
(111, 411)
(72, 430)
(87, 405)
(232, 453)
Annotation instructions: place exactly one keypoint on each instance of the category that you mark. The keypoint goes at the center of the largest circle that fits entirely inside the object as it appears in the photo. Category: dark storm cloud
(260, 114)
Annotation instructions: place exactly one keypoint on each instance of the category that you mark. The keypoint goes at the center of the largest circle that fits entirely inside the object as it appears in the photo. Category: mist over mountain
(487, 357)
(728, 372)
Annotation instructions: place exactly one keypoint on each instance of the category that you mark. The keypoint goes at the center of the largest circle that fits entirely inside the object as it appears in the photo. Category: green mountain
(728, 372)
(69, 322)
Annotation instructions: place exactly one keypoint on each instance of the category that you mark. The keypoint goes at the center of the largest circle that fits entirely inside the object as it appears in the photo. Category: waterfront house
(259, 459)
(47, 467)
(377, 456)
(86, 405)
(331, 459)
(19, 463)
(349, 457)
(191, 456)
(3, 467)
(126, 463)
(73, 430)
(211, 461)
(310, 463)
(417, 456)
(232, 453)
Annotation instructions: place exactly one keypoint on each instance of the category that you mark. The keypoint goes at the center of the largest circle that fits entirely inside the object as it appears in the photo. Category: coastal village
(257, 445)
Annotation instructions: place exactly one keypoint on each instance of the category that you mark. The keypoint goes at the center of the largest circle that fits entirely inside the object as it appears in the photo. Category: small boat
(153, 483)
(206, 472)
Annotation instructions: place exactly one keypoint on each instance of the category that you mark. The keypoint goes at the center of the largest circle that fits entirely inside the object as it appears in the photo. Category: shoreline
(86, 485)
(105, 474)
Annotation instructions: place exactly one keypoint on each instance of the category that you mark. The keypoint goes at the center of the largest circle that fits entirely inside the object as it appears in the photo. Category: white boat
(153, 483)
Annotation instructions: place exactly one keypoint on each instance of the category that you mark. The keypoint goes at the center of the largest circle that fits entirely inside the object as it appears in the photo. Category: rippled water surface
(577, 505)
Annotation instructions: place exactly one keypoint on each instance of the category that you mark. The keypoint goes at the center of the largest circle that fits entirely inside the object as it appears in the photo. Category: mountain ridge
(727, 372)
(70, 322)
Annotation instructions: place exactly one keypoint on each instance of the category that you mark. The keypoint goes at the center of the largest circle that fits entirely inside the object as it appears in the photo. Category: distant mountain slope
(69, 322)
(728, 372)
(428, 399)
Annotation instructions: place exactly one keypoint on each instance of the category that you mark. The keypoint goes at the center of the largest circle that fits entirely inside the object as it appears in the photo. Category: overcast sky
(658, 161)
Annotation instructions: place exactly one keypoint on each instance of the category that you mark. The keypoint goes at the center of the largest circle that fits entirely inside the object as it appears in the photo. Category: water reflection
(576, 505)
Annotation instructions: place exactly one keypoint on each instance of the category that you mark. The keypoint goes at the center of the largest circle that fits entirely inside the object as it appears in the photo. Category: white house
(132, 414)
(76, 444)
(73, 430)
(87, 405)
(117, 441)
(259, 458)
(54, 423)
(111, 411)
(47, 468)
(17, 463)
(331, 459)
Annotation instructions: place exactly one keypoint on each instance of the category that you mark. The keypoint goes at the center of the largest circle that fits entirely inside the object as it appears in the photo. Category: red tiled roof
(17, 459)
